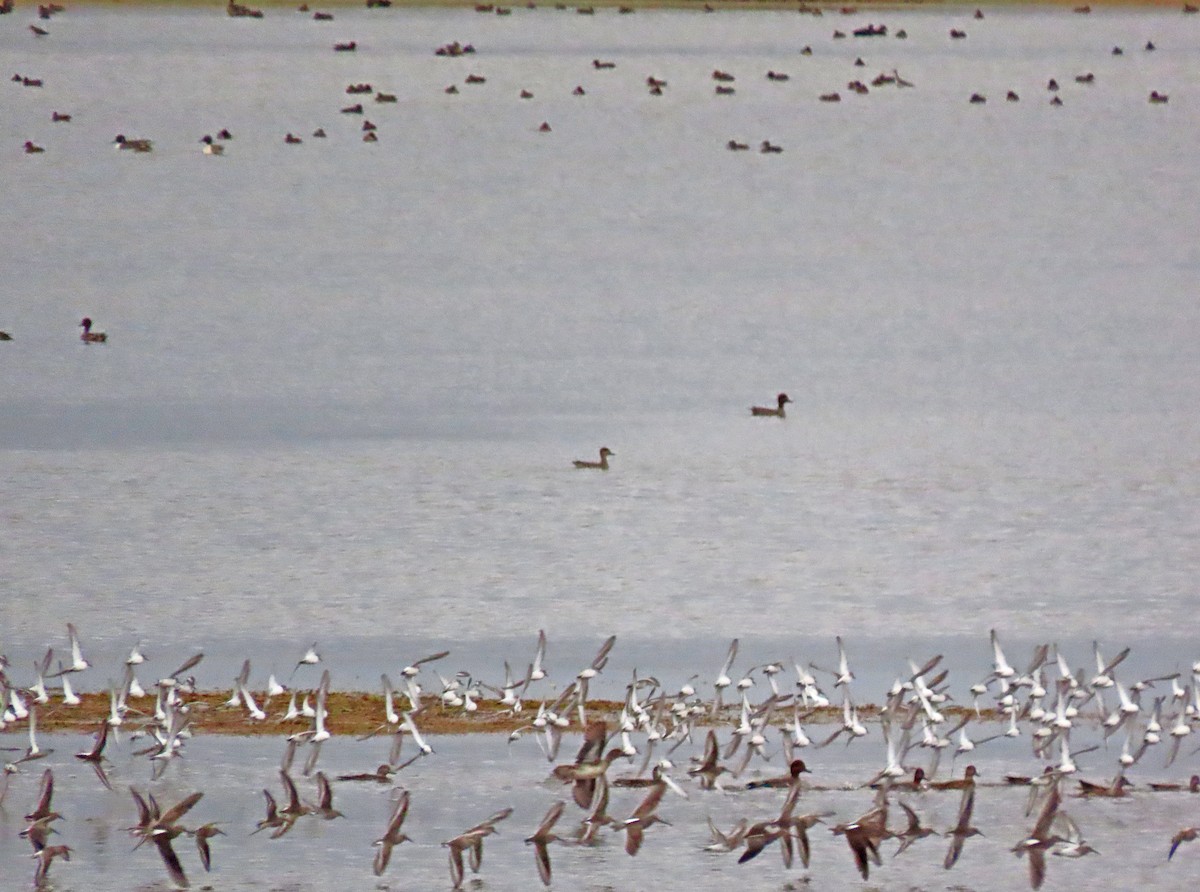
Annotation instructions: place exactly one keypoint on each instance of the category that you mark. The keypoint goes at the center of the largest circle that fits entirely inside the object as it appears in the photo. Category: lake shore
(282, 6)
(352, 713)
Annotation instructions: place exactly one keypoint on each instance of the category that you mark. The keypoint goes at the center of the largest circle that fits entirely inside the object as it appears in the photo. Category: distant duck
(734, 146)
(58, 117)
(724, 91)
(544, 128)
(32, 149)
(769, 148)
(89, 336)
(598, 65)
(766, 412)
(1158, 98)
(133, 145)
(210, 147)
(525, 94)
(367, 126)
(601, 465)
(385, 97)
(830, 97)
(345, 47)
(370, 136)
(224, 134)
(978, 98)
(452, 89)
(319, 133)
(1088, 78)
(1056, 101)
(1012, 96)
(578, 91)
(38, 32)
(5, 336)
(1149, 47)
(777, 76)
(355, 109)
(292, 140)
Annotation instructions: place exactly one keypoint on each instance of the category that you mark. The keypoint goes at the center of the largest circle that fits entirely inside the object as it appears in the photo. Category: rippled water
(345, 382)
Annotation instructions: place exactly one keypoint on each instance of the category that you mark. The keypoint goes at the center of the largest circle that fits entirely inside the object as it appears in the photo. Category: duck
(734, 146)
(134, 145)
(544, 127)
(767, 412)
(601, 465)
(769, 148)
(795, 768)
(210, 147)
(59, 117)
(32, 149)
(1192, 786)
(89, 336)
(385, 97)
(1157, 98)
(319, 133)
(960, 783)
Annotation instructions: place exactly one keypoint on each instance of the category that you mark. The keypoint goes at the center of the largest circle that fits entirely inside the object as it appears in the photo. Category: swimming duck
(210, 147)
(5, 336)
(32, 149)
(59, 117)
(601, 465)
(89, 336)
(766, 411)
(292, 139)
(134, 145)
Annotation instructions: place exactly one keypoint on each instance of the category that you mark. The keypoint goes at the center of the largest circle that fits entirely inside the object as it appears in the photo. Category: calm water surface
(345, 382)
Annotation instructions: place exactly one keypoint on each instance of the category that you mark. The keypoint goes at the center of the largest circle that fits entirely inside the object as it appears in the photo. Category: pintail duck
(544, 127)
(32, 149)
(777, 76)
(766, 412)
(59, 117)
(38, 32)
(5, 336)
(598, 65)
(525, 94)
(724, 91)
(210, 147)
(134, 145)
(355, 109)
(978, 99)
(830, 97)
(578, 91)
(1157, 98)
(385, 97)
(967, 781)
(292, 139)
(370, 136)
(795, 769)
(89, 336)
(347, 47)
(734, 146)
(1192, 786)
(601, 465)
(319, 133)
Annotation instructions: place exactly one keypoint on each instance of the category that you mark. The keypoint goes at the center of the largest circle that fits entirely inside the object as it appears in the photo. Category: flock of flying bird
(1046, 701)
(370, 132)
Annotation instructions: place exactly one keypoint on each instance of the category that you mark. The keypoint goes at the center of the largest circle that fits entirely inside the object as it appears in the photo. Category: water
(345, 382)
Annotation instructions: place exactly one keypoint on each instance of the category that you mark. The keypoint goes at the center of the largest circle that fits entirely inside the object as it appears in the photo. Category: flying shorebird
(203, 834)
(542, 837)
(392, 836)
(471, 841)
(95, 756)
(962, 829)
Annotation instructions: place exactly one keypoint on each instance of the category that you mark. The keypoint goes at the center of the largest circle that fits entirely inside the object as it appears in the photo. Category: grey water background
(345, 382)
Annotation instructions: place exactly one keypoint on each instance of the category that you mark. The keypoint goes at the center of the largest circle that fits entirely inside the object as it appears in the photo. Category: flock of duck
(370, 132)
(655, 726)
